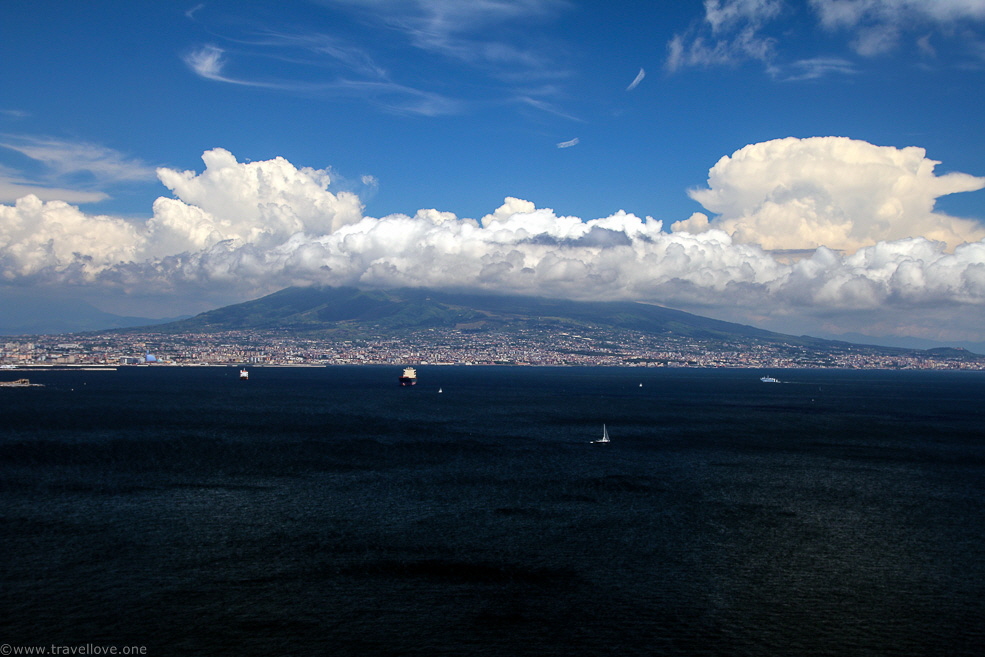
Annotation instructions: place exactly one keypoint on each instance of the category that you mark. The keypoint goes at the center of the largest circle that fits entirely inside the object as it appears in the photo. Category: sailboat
(605, 436)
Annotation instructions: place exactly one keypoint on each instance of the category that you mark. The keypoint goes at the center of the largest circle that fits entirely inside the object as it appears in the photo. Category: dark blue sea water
(328, 511)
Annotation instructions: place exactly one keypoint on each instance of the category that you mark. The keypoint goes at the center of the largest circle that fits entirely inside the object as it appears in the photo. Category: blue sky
(601, 121)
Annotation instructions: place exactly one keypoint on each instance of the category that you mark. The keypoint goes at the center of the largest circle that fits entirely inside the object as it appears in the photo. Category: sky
(810, 167)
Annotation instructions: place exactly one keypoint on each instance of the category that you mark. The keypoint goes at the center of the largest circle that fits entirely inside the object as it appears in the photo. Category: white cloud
(88, 166)
(467, 31)
(818, 67)
(703, 52)
(478, 34)
(725, 14)
(878, 25)
(261, 204)
(207, 62)
(730, 34)
(65, 157)
(636, 81)
(245, 229)
(190, 14)
(850, 13)
(53, 238)
(833, 191)
(13, 188)
(569, 143)
(737, 31)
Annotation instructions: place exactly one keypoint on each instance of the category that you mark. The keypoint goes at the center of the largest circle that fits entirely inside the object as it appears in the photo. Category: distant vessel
(605, 436)
(20, 383)
(244, 374)
(768, 379)
(440, 390)
(409, 377)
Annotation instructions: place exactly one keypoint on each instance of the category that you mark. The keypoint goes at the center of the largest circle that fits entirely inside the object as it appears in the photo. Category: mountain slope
(328, 309)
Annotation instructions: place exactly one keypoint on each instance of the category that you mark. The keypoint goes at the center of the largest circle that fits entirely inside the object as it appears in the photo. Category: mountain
(24, 315)
(352, 312)
(905, 342)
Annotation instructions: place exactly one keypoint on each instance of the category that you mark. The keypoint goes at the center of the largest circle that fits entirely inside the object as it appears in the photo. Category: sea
(329, 511)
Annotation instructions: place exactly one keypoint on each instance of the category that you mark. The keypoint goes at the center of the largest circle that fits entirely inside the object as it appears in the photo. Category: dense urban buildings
(445, 346)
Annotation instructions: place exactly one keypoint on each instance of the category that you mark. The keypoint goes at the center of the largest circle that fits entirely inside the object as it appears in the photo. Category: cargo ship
(20, 383)
(409, 377)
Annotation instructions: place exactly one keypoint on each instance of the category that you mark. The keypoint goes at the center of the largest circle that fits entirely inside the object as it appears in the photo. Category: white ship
(244, 374)
(409, 377)
(768, 379)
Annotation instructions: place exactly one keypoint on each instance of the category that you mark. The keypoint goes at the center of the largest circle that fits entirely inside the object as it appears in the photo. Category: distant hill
(350, 311)
(23, 315)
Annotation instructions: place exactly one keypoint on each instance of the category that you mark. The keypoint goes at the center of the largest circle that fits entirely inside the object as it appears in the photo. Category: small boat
(605, 436)
(440, 390)
(768, 379)
(244, 374)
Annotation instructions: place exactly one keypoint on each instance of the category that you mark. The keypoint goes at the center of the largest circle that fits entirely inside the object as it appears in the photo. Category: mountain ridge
(352, 311)
(30, 316)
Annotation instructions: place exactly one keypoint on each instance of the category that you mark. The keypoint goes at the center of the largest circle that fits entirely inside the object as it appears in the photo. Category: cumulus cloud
(252, 228)
(51, 238)
(832, 191)
(261, 203)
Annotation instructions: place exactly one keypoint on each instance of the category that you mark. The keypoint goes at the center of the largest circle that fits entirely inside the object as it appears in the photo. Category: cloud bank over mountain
(873, 250)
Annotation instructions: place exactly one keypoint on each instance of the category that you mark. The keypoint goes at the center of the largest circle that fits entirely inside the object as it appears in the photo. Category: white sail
(605, 436)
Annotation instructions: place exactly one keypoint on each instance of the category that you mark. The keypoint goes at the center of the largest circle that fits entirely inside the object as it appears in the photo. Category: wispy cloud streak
(736, 31)
(478, 37)
(68, 157)
(209, 62)
(76, 172)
